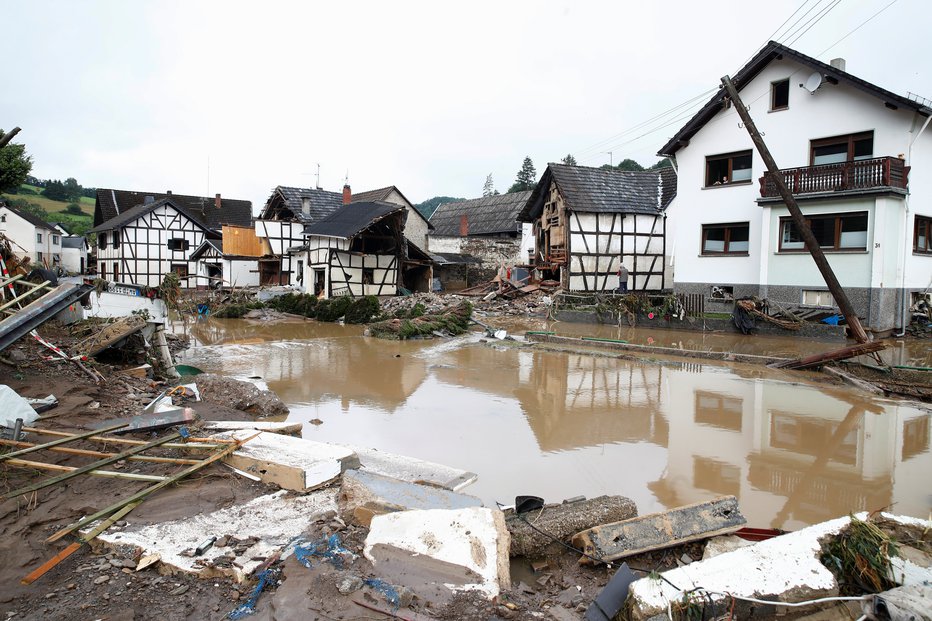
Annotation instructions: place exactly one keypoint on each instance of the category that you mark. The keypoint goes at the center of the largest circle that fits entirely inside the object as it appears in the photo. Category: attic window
(102, 241)
(780, 95)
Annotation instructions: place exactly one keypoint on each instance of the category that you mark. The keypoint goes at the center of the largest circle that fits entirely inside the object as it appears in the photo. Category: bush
(235, 311)
(75, 209)
(295, 303)
(363, 310)
(333, 309)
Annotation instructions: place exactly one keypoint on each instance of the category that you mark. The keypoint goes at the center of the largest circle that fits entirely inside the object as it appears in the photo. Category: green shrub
(363, 310)
(74, 208)
(333, 309)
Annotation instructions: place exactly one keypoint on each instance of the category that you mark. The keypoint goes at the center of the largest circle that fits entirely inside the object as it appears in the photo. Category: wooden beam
(812, 244)
(7, 137)
(832, 356)
(65, 440)
(106, 461)
(90, 453)
(144, 493)
(191, 443)
(39, 465)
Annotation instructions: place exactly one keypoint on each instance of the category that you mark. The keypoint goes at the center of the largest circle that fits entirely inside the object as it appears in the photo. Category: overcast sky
(428, 96)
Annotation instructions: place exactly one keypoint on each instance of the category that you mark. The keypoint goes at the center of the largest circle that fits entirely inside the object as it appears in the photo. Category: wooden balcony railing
(872, 174)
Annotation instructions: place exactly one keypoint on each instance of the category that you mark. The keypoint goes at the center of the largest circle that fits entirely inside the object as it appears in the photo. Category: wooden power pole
(812, 244)
(7, 137)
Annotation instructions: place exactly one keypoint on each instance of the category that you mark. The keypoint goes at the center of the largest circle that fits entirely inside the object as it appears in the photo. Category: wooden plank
(38, 465)
(106, 461)
(656, 531)
(65, 440)
(144, 493)
(191, 443)
(90, 453)
(832, 356)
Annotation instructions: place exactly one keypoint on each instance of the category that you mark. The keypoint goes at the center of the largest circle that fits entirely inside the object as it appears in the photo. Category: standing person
(622, 278)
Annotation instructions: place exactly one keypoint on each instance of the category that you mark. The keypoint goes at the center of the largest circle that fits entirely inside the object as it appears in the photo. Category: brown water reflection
(559, 425)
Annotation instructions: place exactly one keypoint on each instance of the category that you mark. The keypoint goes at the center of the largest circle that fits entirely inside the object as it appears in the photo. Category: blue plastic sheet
(328, 549)
(387, 590)
(249, 606)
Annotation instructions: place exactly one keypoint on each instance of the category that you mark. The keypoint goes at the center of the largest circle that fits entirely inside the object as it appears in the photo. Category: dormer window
(780, 95)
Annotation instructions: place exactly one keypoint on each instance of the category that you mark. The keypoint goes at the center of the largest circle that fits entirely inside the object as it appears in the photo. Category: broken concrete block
(786, 568)
(563, 521)
(913, 603)
(723, 544)
(411, 469)
(291, 463)
(384, 494)
(439, 551)
(267, 522)
(661, 530)
(236, 425)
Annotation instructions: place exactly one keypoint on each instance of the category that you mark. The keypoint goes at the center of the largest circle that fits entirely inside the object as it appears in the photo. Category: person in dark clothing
(622, 279)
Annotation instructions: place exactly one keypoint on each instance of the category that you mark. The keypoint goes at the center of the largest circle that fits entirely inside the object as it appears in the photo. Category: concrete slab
(437, 552)
(785, 568)
(292, 463)
(236, 425)
(411, 469)
(656, 531)
(383, 494)
(274, 520)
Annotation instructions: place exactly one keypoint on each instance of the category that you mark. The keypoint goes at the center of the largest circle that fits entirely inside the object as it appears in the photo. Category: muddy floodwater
(558, 425)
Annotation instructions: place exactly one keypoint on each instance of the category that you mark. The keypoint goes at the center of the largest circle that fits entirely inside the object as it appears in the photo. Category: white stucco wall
(23, 233)
(832, 111)
(241, 272)
(71, 259)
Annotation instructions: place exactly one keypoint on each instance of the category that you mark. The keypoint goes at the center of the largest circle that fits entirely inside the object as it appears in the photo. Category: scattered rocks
(181, 590)
(349, 584)
(101, 579)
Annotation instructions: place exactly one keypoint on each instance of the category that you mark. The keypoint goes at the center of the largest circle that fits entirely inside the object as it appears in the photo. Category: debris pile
(451, 320)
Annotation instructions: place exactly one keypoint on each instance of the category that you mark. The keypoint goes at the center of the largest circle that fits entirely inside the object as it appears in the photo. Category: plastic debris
(249, 606)
(327, 548)
(389, 592)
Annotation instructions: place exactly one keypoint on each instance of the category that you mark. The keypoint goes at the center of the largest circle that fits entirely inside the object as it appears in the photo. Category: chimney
(838, 63)
(168, 192)
(217, 201)
(306, 206)
(347, 194)
(464, 226)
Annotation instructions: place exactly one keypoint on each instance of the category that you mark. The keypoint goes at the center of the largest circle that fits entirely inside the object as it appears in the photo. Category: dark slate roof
(746, 74)
(351, 219)
(215, 244)
(382, 194)
(131, 214)
(452, 258)
(73, 241)
(28, 217)
(602, 190)
(323, 202)
(485, 216)
(201, 209)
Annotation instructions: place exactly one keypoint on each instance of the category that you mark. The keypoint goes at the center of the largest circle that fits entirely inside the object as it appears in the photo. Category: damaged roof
(201, 209)
(352, 219)
(321, 203)
(774, 51)
(382, 195)
(603, 190)
(484, 216)
(129, 215)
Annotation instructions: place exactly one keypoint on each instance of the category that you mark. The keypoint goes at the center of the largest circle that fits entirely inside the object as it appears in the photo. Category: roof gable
(484, 216)
(773, 51)
(321, 203)
(140, 210)
(383, 195)
(203, 210)
(603, 190)
(352, 219)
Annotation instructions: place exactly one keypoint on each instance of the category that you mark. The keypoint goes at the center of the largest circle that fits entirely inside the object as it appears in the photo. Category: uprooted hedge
(353, 310)
(452, 320)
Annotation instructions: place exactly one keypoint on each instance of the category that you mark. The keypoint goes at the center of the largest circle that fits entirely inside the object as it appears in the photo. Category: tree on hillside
(664, 163)
(15, 166)
(24, 205)
(488, 188)
(569, 160)
(526, 178)
(428, 207)
(629, 165)
(69, 190)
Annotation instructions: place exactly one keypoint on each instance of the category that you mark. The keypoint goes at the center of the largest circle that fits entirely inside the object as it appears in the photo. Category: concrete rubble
(438, 551)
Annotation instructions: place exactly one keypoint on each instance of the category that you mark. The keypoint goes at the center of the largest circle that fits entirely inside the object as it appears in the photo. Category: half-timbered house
(141, 236)
(588, 222)
(357, 250)
(417, 227)
(239, 259)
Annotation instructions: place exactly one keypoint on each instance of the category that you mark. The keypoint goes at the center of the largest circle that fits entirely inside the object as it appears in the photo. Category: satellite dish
(813, 82)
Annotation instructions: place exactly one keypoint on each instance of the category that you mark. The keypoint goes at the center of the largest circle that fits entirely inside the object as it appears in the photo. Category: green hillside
(50, 210)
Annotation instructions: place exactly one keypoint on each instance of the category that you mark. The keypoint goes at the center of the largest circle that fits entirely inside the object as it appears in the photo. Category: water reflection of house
(793, 455)
(570, 400)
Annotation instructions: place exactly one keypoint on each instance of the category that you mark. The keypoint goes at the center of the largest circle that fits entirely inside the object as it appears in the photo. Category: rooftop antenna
(318, 175)
(611, 159)
(346, 180)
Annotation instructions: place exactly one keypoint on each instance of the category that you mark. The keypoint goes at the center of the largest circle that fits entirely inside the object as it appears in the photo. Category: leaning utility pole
(805, 232)
(8, 137)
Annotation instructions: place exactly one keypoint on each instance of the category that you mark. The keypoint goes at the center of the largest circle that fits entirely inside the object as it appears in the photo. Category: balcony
(876, 175)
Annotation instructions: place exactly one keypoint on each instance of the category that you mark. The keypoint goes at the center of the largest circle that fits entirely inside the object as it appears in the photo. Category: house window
(56, 240)
(38, 238)
(780, 95)
(728, 168)
(177, 243)
(725, 238)
(922, 235)
(102, 241)
(116, 272)
(368, 275)
(116, 239)
(851, 147)
(181, 269)
(3, 218)
(813, 297)
(39, 257)
(841, 231)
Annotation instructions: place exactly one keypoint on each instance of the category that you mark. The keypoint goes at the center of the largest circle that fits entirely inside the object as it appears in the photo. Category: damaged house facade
(854, 155)
(587, 222)
(142, 236)
(357, 250)
(478, 235)
(237, 259)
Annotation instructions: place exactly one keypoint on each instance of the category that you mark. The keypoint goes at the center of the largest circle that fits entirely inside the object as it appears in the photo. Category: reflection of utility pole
(611, 161)
(799, 220)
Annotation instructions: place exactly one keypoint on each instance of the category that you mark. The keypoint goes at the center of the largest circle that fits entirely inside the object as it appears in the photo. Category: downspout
(909, 161)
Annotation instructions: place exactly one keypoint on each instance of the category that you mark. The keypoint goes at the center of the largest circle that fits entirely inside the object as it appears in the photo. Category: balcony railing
(860, 175)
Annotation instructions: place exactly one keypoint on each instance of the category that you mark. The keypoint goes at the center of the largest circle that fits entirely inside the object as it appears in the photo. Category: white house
(143, 236)
(74, 254)
(35, 238)
(850, 153)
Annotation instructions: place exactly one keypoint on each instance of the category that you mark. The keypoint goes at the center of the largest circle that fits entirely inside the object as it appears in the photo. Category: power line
(817, 20)
(796, 26)
(858, 27)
